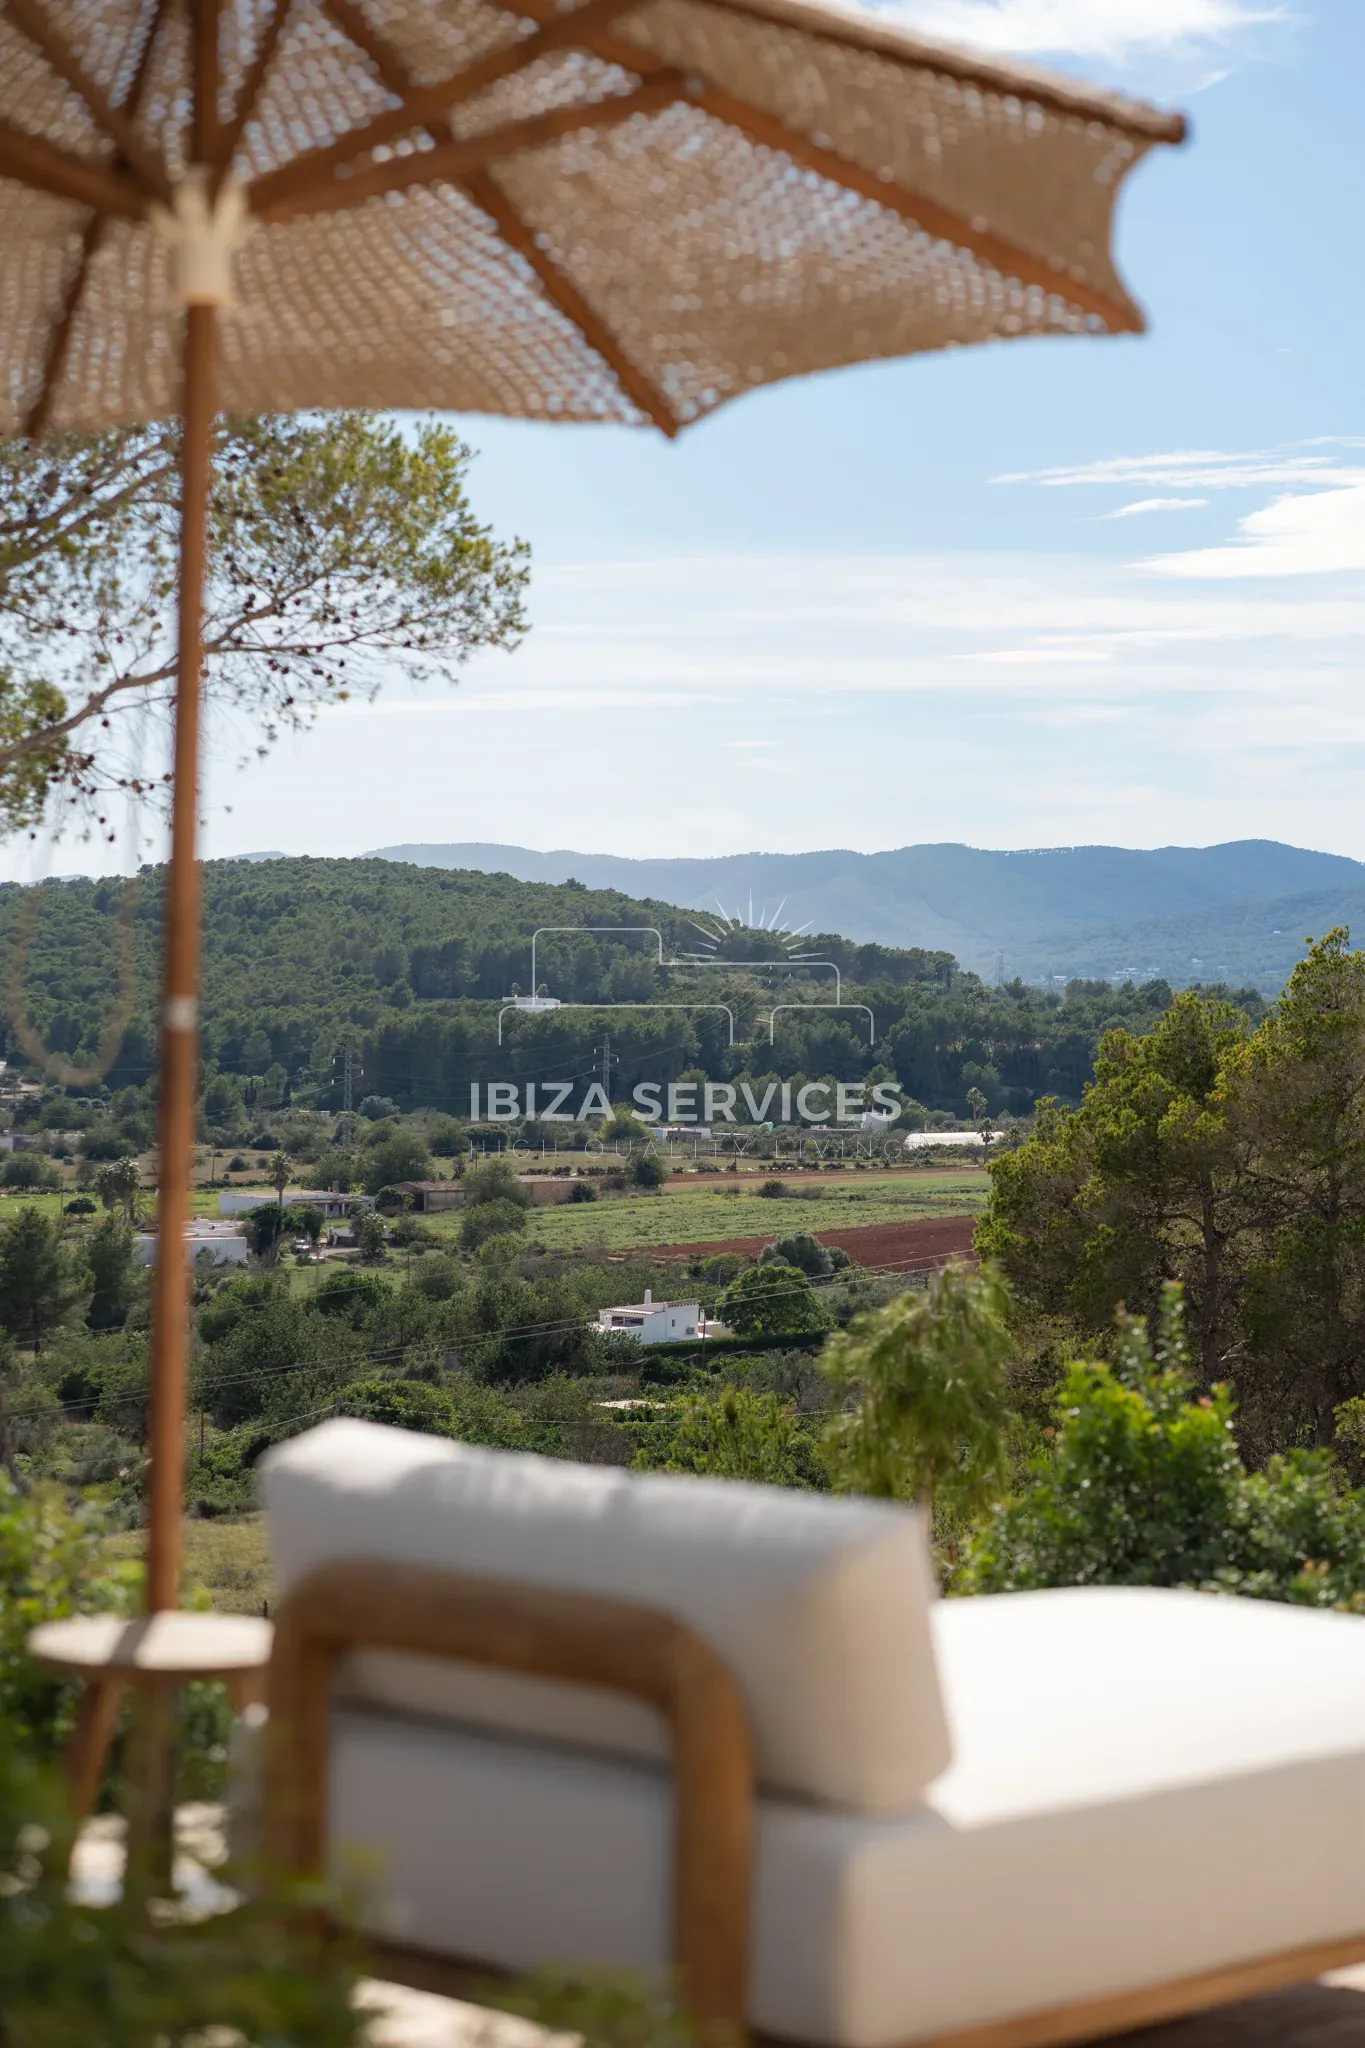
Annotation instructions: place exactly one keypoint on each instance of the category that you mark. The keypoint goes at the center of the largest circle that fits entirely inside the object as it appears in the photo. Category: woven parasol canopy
(620, 210)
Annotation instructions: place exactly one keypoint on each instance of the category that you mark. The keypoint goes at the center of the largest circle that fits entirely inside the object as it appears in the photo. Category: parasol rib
(864, 32)
(493, 202)
(643, 393)
(422, 104)
(204, 60)
(943, 222)
(230, 136)
(30, 17)
(83, 179)
(64, 326)
(449, 162)
(919, 211)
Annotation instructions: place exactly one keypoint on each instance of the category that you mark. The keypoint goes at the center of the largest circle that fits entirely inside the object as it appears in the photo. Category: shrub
(805, 1251)
(374, 1108)
(403, 1404)
(771, 1301)
(369, 1236)
(736, 1434)
(773, 1190)
(29, 1170)
(82, 1205)
(401, 1157)
(493, 1180)
(1143, 1486)
(99, 1145)
(345, 1293)
(263, 1974)
(583, 1191)
(647, 1172)
(922, 1382)
(50, 1566)
(490, 1219)
(437, 1278)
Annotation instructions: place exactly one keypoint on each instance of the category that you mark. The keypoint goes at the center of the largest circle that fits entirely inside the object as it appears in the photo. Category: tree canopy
(1228, 1160)
(342, 549)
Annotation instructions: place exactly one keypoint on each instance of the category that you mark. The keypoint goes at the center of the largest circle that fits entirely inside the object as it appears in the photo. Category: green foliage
(602, 2009)
(647, 1172)
(437, 1278)
(110, 1256)
(264, 1975)
(486, 1220)
(50, 1566)
(1143, 1485)
(924, 1409)
(736, 1434)
(802, 1249)
(493, 1180)
(340, 546)
(266, 1228)
(1233, 1163)
(39, 1279)
(771, 1301)
(117, 1184)
(301, 956)
(370, 1236)
(401, 1157)
(29, 1170)
(583, 1191)
(402, 1404)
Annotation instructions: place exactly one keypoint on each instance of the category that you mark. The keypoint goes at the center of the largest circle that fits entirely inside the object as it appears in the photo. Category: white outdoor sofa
(1015, 1820)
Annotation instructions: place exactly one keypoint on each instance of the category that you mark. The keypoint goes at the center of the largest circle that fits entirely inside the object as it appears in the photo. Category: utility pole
(351, 1069)
(609, 1060)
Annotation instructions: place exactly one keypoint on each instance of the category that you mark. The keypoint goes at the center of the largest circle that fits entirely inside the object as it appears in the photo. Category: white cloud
(1206, 469)
(1154, 505)
(1110, 29)
(1299, 535)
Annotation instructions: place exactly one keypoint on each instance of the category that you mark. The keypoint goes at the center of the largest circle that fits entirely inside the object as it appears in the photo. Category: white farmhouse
(654, 1322)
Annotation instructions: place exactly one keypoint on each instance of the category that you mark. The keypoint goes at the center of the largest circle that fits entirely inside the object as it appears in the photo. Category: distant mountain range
(1237, 912)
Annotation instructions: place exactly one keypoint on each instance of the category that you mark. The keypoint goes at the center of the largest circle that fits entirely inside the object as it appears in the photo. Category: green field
(683, 1216)
(229, 1559)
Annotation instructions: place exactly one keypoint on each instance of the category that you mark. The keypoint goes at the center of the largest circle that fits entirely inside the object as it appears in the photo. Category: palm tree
(117, 1182)
(279, 1176)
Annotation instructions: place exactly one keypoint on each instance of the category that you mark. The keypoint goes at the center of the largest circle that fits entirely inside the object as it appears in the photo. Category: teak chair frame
(645, 1655)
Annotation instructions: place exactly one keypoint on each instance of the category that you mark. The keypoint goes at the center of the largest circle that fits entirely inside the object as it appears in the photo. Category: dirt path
(927, 1239)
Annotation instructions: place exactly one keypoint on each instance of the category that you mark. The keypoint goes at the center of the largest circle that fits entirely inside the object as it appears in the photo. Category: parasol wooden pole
(179, 1032)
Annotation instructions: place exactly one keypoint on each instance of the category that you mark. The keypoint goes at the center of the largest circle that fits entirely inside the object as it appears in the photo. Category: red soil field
(925, 1241)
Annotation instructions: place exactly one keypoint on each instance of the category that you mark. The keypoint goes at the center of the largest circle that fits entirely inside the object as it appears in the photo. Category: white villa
(655, 1322)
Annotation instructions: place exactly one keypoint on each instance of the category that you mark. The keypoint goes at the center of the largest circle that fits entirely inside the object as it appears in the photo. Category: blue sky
(1044, 593)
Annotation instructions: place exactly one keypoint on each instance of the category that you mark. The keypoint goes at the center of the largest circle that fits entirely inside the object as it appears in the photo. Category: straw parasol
(616, 210)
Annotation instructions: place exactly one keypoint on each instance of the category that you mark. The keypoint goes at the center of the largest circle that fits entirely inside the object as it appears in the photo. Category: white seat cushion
(819, 1607)
(1148, 1784)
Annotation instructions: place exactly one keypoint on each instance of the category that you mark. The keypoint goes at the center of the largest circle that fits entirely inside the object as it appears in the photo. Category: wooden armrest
(568, 1636)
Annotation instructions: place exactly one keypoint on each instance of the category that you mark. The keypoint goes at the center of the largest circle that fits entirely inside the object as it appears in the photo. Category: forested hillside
(1078, 910)
(407, 967)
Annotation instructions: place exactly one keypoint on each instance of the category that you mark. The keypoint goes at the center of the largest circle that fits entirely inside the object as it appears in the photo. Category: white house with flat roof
(654, 1322)
(222, 1241)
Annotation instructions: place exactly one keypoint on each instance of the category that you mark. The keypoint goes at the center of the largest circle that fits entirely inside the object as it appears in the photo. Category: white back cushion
(819, 1606)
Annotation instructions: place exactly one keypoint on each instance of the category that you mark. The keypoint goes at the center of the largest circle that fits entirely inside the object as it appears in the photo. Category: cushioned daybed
(1026, 1818)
